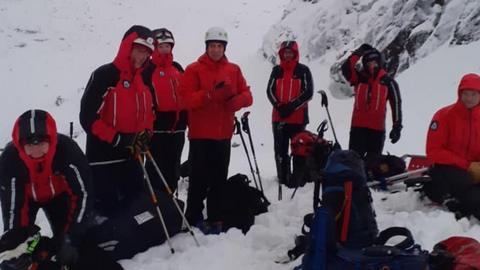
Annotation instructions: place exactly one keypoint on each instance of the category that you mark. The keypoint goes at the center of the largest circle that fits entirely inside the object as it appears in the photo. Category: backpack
(456, 253)
(323, 253)
(406, 255)
(240, 203)
(309, 154)
(138, 227)
(345, 192)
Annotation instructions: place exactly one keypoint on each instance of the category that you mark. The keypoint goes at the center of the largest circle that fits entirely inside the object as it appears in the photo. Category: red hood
(470, 81)
(122, 60)
(294, 47)
(36, 122)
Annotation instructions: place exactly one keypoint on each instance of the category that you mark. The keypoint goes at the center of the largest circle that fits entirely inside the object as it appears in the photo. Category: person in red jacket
(373, 87)
(117, 114)
(453, 146)
(214, 89)
(42, 169)
(289, 89)
(162, 75)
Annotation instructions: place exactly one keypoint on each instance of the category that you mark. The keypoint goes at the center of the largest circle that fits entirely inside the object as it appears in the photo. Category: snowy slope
(51, 46)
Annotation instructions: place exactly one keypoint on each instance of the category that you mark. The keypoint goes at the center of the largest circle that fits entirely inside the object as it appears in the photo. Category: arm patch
(434, 125)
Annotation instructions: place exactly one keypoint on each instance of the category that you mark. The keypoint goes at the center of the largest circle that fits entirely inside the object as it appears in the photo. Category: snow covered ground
(50, 47)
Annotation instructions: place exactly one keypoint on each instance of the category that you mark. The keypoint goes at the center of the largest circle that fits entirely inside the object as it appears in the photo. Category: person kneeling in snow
(453, 146)
(43, 169)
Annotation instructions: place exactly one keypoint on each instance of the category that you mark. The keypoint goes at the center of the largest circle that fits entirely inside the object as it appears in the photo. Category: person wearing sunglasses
(162, 75)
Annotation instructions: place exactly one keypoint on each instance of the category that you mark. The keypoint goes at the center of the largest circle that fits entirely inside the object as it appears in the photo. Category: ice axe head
(322, 128)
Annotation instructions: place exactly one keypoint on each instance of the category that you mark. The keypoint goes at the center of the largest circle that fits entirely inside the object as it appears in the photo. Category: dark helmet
(163, 35)
(33, 127)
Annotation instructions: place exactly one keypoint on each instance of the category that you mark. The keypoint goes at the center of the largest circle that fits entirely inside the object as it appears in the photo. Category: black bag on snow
(240, 203)
(382, 166)
(25, 248)
(138, 227)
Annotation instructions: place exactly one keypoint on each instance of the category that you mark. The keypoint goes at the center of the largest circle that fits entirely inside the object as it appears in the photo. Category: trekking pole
(246, 129)
(239, 132)
(325, 104)
(155, 202)
(169, 191)
(71, 130)
(279, 127)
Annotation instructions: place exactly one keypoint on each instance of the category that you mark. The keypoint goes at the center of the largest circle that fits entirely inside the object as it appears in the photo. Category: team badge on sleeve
(434, 125)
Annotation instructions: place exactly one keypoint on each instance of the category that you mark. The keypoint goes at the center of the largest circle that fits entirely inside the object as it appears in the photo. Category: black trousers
(116, 185)
(451, 181)
(209, 161)
(166, 149)
(282, 134)
(366, 141)
(56, 211)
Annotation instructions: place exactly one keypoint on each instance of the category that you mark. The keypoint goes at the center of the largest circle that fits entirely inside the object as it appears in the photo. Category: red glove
(221, 92)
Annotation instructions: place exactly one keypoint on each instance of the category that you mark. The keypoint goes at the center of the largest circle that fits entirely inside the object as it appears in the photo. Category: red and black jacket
(210, 119)
(290, 82)
(27, 183)
(115, 101)
(371, 95)
(454, 134)
(162, 76)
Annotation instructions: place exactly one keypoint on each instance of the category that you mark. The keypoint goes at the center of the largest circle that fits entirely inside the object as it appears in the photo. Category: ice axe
(325, 104)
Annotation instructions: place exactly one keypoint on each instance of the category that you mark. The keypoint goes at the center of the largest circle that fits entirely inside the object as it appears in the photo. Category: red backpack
(302, 143)
(457, 253)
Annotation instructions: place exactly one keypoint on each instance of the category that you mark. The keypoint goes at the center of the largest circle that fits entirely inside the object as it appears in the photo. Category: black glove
(362, 49)
(67, 253)
(285, 110)
(395, 133)
(135, 142)
(123, 140)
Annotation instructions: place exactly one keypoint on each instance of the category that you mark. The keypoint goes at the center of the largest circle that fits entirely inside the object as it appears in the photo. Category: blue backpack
(343, 231)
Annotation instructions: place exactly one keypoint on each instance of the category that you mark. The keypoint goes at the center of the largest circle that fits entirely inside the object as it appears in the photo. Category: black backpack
(240, 203)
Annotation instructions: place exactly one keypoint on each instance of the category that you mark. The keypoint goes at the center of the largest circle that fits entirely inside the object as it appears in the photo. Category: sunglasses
(164, 34)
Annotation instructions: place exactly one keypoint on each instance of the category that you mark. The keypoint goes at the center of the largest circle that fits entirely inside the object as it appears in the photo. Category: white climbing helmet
(216, 34)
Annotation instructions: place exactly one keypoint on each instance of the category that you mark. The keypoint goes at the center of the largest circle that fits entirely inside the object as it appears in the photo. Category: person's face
(288, 54)
(164, 48)
(37, 150)
(215, 50)
(139, 55)
(470, 98)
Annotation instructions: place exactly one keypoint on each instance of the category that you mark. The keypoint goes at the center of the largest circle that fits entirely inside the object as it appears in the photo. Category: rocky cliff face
(404, 30)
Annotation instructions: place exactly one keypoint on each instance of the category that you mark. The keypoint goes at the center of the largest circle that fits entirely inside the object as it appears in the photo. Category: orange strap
(347, 209)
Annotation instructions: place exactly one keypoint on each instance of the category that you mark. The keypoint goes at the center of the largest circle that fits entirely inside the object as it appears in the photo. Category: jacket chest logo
(126, 84)
(161, 73)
